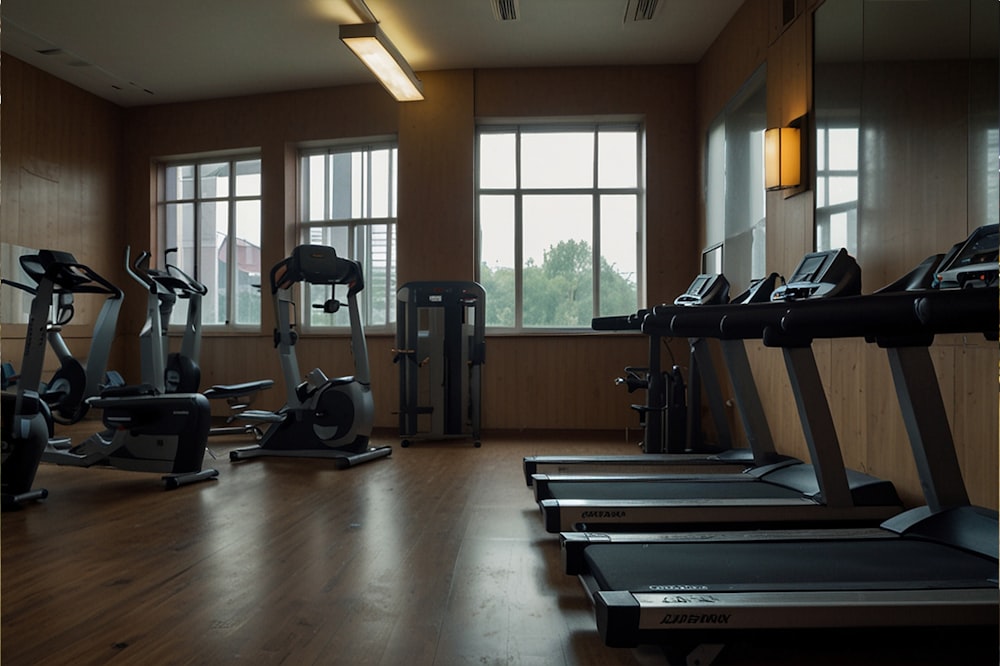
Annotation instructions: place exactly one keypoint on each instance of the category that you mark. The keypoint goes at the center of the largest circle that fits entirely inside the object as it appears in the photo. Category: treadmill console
(822, 274)
(759, 291)
(972, 263)
(707, 289)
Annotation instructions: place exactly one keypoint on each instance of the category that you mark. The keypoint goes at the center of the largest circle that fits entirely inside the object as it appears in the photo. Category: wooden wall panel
(436, 217)
(974, 414)
(560, 383)
(60, 164)
(738, 51)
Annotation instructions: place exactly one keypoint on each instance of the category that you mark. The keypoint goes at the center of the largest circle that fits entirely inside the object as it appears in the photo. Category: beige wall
(79, 171)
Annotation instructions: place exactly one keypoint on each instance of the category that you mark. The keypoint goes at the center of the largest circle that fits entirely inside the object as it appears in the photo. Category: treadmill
(787, 493)
(705, 289)
(929, 573)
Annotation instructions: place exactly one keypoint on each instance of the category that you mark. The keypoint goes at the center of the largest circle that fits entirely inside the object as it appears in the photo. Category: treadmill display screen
(697, 287)
(808, 270)
(705, 289)
(975, 264)
(980, 251)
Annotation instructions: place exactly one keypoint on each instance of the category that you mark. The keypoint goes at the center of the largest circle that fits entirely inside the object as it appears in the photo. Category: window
(735, 211)
(209, 210)
(560, 223)
(349, 203)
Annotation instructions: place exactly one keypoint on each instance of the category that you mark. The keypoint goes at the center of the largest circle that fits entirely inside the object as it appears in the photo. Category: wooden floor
(433, 556)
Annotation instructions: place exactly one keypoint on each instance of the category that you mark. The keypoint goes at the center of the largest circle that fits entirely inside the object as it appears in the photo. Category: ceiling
(142, 52)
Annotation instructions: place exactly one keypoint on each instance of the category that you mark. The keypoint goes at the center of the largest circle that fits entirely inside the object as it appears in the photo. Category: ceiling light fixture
(378, 54)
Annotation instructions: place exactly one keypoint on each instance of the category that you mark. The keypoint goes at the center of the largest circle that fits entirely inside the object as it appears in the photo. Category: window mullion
(231, 241)
(390, 229)
(196, 223)
(639, 229)
(363, 251)
(518, 237)
(596, 232)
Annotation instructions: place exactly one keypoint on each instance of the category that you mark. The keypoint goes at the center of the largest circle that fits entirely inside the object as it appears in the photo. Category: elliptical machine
(323, 418)
(146, 432)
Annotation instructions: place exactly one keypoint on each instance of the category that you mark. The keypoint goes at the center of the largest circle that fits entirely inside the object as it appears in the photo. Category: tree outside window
(559, 222)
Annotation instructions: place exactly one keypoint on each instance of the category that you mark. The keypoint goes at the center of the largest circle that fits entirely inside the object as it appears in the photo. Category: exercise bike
(179, 372)
(146, 431)
(323, 417)
(69, 389)
(26, 420)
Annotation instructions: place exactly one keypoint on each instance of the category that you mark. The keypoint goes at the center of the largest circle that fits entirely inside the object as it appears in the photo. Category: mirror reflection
(906, 117)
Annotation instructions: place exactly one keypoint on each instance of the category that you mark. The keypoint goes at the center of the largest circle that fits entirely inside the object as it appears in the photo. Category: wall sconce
(378, 54)
(782, 158)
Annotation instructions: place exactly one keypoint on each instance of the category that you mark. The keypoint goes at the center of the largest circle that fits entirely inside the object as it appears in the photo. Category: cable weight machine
(440, 349)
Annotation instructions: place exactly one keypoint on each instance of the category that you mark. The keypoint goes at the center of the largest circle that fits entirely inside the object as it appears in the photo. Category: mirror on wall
(907, 122)
(734, 184)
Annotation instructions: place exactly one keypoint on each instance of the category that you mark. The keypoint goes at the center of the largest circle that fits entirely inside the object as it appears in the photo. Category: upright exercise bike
(323, 418)
(68, 391)
(26, 419)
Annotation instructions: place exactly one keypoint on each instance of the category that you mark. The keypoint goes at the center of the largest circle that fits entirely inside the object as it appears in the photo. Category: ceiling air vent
(505, 10)
(637, 11)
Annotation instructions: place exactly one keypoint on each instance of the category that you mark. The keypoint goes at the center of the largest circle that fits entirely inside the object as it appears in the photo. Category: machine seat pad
(261, 415)
(236, 390)
(128, 391)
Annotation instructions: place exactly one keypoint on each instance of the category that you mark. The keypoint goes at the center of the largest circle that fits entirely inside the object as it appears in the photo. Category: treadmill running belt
(762, 566)
(671, 490)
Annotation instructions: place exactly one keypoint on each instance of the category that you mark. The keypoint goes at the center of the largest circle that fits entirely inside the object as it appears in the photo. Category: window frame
(353, 226)
(518, 192)
(231, 199)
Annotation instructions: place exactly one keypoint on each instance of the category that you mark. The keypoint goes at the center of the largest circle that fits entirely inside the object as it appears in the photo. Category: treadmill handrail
(629, 322)
(914, 315)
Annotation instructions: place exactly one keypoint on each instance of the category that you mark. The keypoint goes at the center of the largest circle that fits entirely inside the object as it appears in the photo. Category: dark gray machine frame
(784, 493)
(178, 372)
(930, 571)
(67, 392)
(706, 289)
(323, 417)
(145, 432)
(927, 574)
(440, 341)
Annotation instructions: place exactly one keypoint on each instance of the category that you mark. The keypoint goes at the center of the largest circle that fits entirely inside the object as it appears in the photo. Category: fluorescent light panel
(378, 54)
